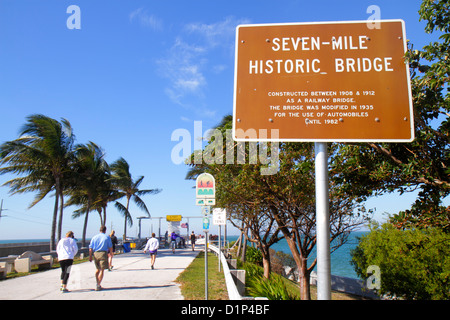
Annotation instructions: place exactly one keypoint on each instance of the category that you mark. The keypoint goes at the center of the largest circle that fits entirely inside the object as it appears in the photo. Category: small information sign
(173, 218)
(206, 224)
(205, 190)
(219, 217)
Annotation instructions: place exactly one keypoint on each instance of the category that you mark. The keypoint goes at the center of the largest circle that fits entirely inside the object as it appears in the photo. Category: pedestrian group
(101, 250)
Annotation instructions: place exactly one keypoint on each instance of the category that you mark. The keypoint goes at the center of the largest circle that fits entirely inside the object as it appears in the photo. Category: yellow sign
(324, 81)
(173, 218)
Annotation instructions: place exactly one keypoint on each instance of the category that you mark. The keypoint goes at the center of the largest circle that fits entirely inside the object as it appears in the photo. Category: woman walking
(114, 243)
(67, 249)
(152, 246)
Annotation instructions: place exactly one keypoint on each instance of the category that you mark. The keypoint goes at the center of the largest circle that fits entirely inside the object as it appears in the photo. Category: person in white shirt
(152, 246)
(66, 249)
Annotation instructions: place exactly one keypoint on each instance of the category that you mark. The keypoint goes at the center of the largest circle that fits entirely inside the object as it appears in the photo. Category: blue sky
(134, 73)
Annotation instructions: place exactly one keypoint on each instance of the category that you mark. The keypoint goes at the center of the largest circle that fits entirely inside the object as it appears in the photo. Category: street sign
(322, 82)
(219, 217)
(205, 202)
(206, 224)
(206, 210)
(173, 218)
(205, 190)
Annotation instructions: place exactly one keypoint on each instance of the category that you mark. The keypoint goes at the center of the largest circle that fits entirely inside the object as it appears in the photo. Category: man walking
(100, 246)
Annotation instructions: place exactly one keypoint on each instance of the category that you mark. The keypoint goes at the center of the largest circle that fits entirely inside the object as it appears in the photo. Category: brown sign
(326, 81)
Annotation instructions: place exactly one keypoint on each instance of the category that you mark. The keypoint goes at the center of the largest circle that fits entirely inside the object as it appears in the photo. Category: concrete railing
(234, 279)
(232, 287)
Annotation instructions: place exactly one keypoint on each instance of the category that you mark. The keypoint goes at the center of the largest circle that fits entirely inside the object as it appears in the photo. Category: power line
(1, 209)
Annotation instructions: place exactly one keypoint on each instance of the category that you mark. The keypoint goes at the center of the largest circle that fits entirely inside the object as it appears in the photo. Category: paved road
(130, 279)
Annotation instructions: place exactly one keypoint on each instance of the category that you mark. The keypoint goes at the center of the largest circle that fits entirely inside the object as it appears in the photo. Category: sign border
(411, 107)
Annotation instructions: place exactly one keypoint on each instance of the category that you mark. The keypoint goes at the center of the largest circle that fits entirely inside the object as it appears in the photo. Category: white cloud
(182, 67)
(221, 33)
(195, 53)
(146, 20)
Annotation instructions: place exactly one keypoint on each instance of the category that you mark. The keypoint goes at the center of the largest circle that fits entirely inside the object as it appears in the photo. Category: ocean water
(23, 240)
(340, 259)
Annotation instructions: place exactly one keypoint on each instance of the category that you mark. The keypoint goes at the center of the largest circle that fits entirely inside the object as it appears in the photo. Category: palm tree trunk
(104, 216)
(61, 209)
(126, 218)
(99, 211)
(53, 232)
(83, 241)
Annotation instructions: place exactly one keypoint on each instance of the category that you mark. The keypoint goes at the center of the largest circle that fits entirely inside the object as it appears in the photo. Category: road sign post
(205, 193)
(322, 82)
(206, 230)
(322, 222)
(219, 219)
(206, 265)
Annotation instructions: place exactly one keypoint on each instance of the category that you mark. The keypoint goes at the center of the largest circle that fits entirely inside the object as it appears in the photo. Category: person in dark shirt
(192, 238)
(114, 242)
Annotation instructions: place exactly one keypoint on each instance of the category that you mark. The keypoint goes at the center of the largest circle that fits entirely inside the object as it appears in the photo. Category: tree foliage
(44, 159)
(414, 264)
(41, 159)
(377, 168)
(128, 187)
(279, 203)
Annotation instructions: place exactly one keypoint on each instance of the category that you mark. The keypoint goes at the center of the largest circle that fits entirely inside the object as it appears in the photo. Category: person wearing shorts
(99, 247)
(152, 246)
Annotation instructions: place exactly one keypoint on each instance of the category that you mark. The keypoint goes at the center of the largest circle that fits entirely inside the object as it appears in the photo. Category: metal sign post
(206, 230)
(322, 222)
(206, 265)
(220, 219)
(205, 194)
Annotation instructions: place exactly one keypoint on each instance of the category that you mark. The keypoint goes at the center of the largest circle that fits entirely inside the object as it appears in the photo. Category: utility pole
(1, 209)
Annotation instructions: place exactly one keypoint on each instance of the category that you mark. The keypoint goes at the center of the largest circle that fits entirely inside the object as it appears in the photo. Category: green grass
(192, 280)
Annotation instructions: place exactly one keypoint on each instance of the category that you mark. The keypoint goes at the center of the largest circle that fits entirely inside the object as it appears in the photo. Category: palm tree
(42, 157)
(90, 173)
(127, 187)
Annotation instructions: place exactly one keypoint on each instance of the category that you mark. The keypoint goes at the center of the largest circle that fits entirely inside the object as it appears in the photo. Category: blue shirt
(100, 242)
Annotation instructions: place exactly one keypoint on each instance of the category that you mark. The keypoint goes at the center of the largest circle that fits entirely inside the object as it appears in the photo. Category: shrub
(258, 286)
(253, 255)
(414, 264)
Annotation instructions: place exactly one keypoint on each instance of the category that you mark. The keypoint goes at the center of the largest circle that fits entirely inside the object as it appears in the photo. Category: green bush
(414, 264)
(258, 286)
(253, 255)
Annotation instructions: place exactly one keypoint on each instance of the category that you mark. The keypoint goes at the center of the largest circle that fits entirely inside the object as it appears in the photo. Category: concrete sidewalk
(131, 279)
